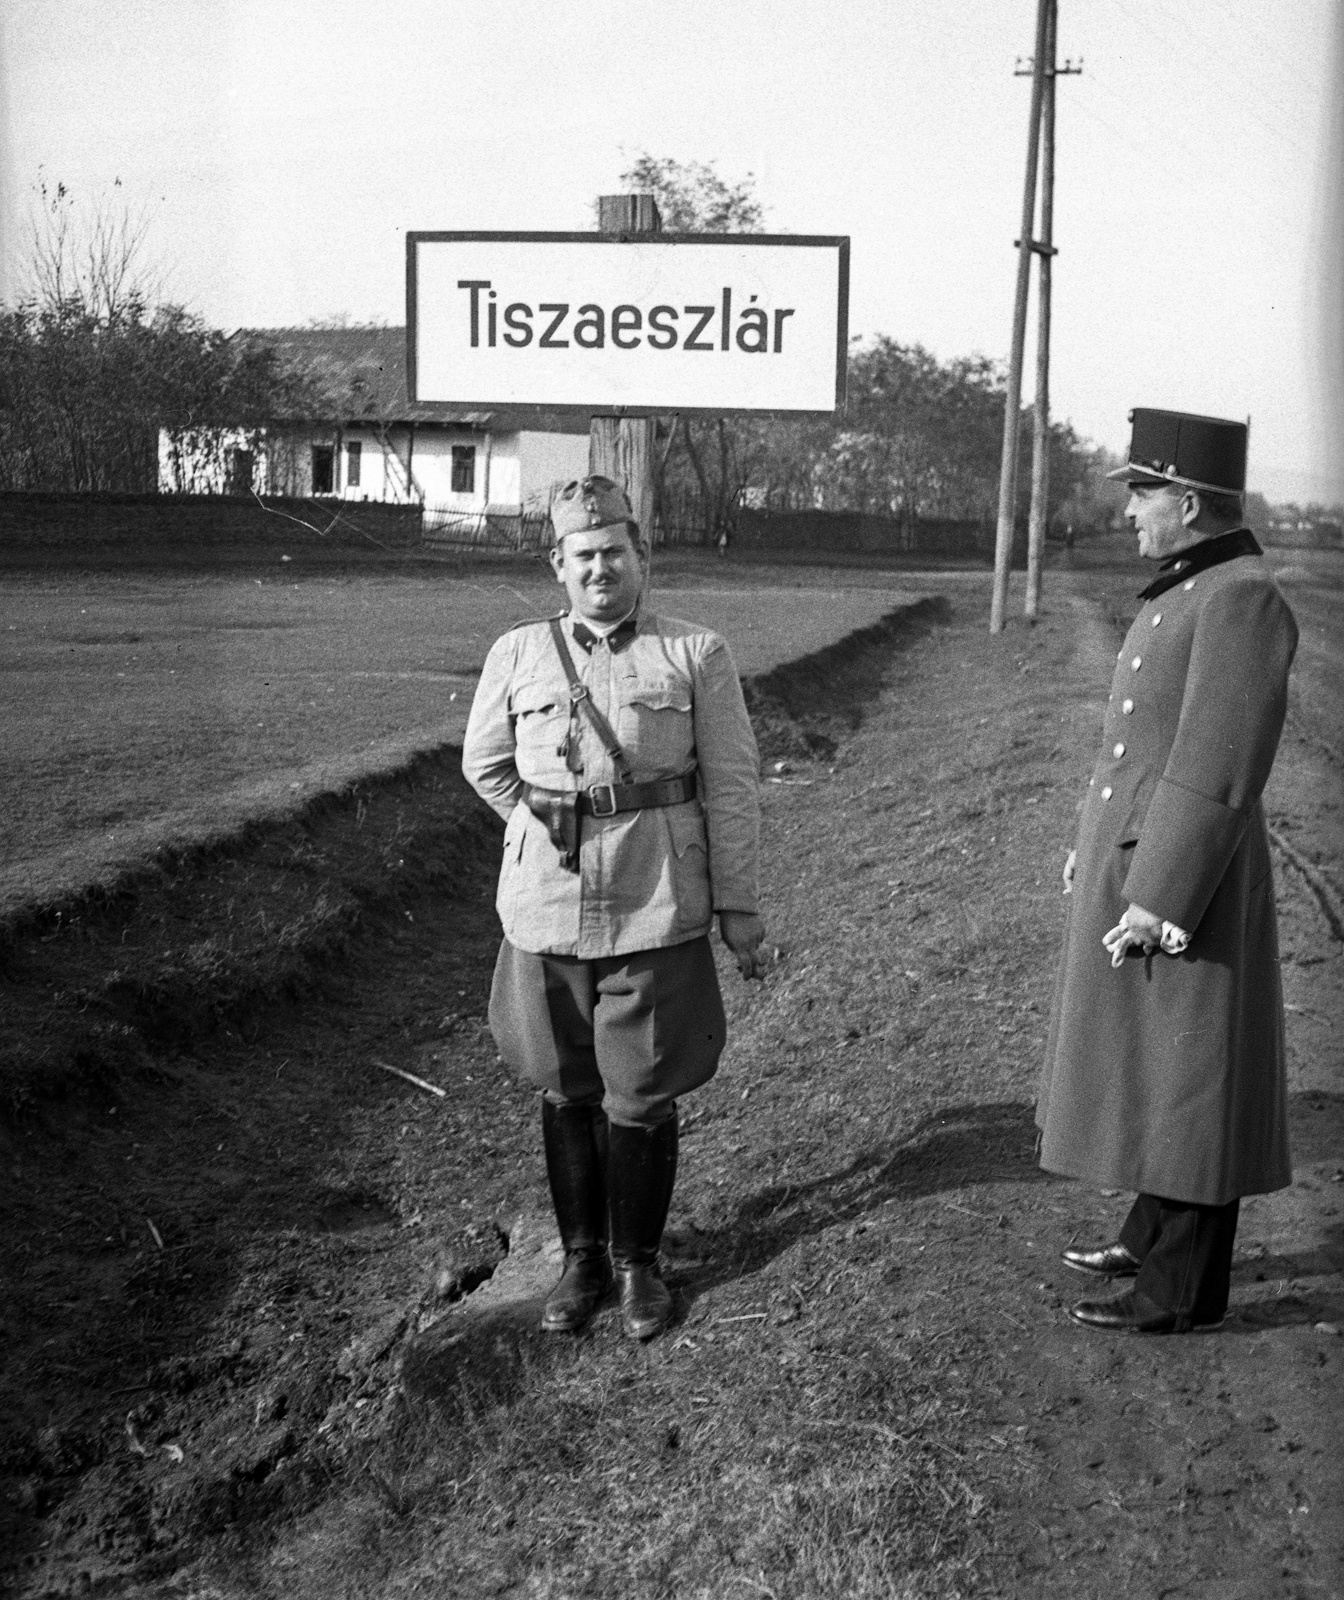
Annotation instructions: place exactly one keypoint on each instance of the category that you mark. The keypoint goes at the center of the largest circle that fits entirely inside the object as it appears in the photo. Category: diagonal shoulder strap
(581, 700)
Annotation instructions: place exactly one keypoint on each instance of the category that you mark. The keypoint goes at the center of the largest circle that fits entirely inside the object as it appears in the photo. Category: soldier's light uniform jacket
(1166, 1076)
(648, 878)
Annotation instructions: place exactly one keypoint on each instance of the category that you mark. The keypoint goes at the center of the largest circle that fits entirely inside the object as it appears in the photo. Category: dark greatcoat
(1166, 1076)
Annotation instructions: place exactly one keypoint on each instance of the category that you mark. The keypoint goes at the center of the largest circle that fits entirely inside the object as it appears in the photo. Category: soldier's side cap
(1180, 447)
(587, 503)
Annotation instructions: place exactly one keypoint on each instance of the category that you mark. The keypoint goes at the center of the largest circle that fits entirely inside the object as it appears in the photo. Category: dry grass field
(270, 1329)
(145, 711)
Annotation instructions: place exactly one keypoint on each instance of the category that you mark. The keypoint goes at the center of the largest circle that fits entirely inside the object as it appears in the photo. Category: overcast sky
(283, 147)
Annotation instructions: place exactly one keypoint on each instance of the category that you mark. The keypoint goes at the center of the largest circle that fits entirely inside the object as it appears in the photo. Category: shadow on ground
(960, 1145)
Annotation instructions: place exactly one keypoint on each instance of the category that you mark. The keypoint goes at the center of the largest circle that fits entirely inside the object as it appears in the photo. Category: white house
(373, 443)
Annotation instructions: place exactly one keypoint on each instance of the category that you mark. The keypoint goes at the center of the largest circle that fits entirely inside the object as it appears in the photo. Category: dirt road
(248, 1350)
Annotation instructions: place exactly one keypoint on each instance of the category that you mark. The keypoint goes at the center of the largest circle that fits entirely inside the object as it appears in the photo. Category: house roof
(361, 375)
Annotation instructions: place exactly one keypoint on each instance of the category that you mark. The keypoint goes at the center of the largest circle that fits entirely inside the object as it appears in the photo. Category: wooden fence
(447, 529)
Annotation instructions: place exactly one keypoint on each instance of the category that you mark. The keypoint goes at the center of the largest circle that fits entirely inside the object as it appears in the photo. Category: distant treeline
(85, 391)
(919, 439)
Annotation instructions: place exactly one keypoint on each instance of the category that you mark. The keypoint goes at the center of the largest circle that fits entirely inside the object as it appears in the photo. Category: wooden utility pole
(1040, 442)
(1044, 247)
(621, 448)
(1003, 542)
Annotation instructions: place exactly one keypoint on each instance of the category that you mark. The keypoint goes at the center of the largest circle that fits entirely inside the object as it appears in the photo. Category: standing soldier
(1164, 1069)
(616, 745)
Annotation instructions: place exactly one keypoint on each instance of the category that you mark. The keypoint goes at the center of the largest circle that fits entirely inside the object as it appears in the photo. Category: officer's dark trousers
(629, 1032)
(1186, 1251)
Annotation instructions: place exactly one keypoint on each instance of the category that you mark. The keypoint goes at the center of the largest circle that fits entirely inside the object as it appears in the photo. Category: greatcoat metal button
(1118, 751)
(1127, 706)
(1157, 620)
(1107, 792)
(1137, 663)
(1188, 584)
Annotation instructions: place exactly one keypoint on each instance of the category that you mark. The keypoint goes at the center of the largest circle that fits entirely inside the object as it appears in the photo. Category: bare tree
(95, 370)
(91, 262)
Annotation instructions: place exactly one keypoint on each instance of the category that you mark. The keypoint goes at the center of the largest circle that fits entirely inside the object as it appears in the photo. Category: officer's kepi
(1179, 447)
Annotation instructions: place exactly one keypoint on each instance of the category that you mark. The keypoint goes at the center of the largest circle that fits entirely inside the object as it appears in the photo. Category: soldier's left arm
(1232, 711)
(730, 780)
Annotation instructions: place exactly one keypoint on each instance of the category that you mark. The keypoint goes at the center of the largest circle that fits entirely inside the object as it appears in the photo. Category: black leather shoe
(582, 1288)
(646, 1301)
(1111, 1261)
(1133, 1313)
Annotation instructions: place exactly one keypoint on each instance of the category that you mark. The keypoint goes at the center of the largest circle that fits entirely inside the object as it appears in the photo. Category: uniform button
(1127, 706)
(1157, 620)
(1107, 792)
(1188, 584)
(1137, 663)
(1118, 751)
(1091, 783)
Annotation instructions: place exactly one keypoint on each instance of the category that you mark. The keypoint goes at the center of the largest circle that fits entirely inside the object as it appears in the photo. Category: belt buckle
(598, 809)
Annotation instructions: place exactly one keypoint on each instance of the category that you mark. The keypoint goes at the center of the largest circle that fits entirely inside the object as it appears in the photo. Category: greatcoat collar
(1207, 553)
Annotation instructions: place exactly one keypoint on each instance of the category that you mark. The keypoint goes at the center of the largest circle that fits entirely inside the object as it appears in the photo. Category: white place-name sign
(667, 322)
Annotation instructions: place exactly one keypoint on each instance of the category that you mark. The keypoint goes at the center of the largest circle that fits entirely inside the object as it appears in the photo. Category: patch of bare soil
(259, 1337)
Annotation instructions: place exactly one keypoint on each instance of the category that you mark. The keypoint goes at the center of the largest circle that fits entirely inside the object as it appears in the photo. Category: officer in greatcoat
(616, 745)
(1164, 1069)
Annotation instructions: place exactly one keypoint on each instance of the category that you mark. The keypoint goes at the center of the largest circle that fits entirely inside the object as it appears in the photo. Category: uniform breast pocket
(657, 728)
(541, 716)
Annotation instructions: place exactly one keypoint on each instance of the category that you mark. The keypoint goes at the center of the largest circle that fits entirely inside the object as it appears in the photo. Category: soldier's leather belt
(560, 809)
(608, 799)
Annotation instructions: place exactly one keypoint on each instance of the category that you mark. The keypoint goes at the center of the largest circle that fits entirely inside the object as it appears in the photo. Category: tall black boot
(641, 1172)
(575, 1138)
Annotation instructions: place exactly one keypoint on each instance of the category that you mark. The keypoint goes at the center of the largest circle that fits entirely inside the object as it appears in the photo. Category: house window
(324, 468)
(464, 469)
(353, 451)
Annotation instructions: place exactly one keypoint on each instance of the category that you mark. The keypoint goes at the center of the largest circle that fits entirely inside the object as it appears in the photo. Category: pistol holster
(559, 810)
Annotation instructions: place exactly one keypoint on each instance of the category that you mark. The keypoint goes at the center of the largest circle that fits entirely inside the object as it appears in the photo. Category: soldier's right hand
(1070, 861)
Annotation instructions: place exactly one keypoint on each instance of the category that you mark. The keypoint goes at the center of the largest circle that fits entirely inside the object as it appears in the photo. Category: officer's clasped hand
(1137, 930)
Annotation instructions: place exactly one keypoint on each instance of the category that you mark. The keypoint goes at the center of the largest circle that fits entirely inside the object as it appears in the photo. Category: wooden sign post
(621, 448)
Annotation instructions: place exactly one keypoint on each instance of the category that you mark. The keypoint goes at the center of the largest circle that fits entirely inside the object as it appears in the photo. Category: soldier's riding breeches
(631, 1032)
